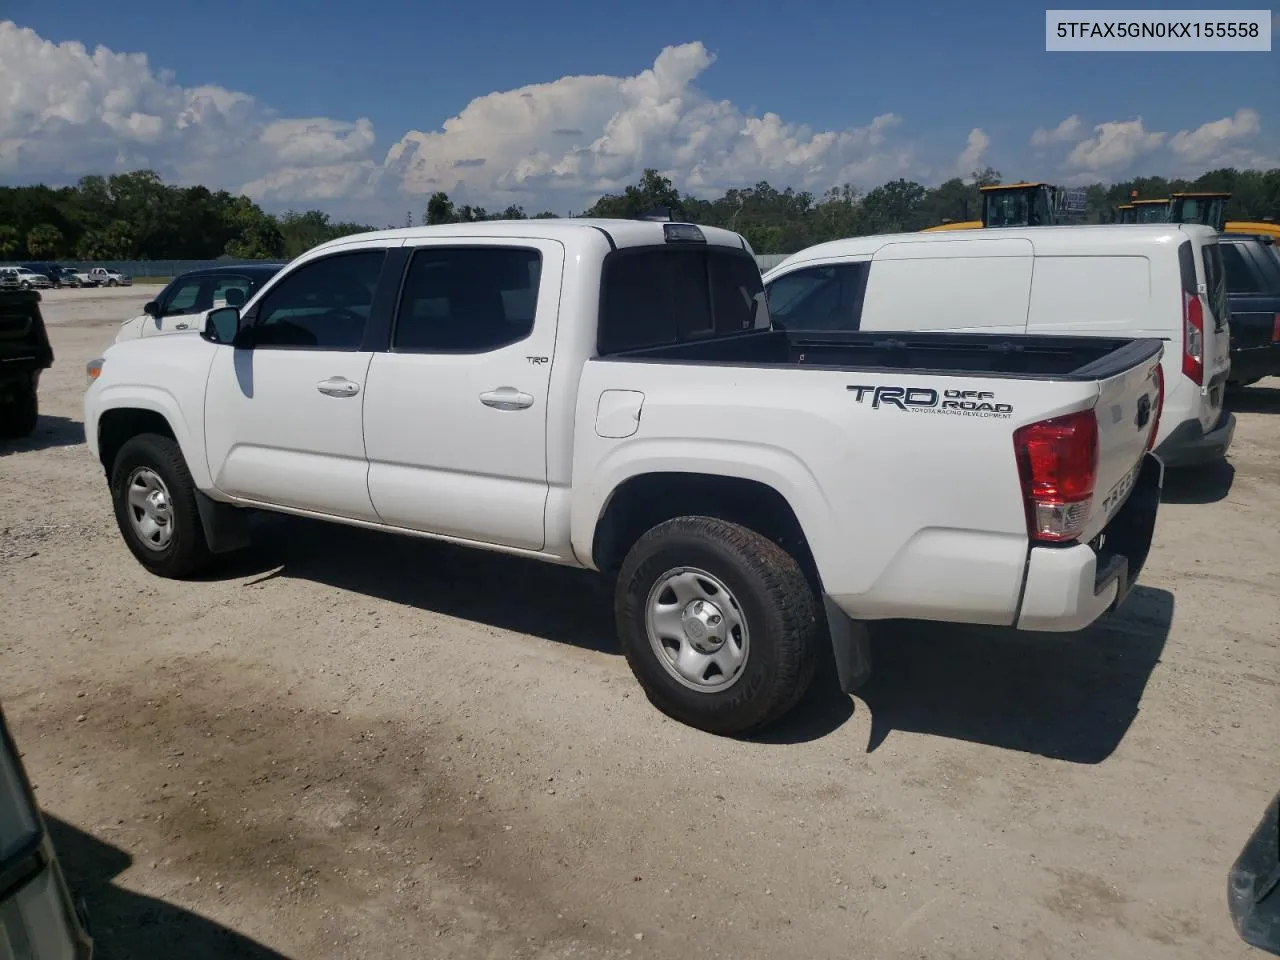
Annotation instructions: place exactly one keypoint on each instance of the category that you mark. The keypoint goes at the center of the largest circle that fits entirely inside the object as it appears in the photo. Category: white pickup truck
(610, 394)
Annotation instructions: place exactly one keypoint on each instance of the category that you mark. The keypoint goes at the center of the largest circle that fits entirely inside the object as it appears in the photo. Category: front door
(284, 422)
(455, 417)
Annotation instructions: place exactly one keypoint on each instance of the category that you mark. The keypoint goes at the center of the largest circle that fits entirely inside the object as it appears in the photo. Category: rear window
(652, 296)
(1215, 282)
(1240, 277)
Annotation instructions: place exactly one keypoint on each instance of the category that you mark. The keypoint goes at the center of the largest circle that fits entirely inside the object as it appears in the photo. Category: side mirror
(235, 297)
(222, 325)
(152, 309)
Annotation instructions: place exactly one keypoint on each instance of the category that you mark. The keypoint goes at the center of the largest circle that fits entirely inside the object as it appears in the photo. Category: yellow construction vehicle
(1150, 211)
(1125, 213)
(1013, 205)
(1210, 208)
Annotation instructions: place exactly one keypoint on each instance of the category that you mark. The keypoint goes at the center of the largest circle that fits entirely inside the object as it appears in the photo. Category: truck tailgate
(1127, 412)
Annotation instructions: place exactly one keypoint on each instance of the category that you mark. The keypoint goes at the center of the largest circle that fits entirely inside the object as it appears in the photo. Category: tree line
(136, 216)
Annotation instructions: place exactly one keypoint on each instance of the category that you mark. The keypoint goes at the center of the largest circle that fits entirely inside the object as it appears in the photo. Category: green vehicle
(25, 353)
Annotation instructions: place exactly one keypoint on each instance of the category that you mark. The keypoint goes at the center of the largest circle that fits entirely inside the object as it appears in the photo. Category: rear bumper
(1068, 588)
(1191, 445)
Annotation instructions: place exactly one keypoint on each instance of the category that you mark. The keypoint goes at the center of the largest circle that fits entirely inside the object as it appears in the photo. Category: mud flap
(851, 644)
(225, 526)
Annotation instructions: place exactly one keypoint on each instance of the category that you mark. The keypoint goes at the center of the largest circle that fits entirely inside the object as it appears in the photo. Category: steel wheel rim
(697, 629)
(150, 508)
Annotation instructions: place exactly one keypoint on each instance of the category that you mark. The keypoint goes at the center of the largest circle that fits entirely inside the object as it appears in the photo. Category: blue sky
(940, 69)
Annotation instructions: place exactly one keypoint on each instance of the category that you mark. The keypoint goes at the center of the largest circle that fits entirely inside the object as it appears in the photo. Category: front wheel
(155, 506)
(111, 283)
(718, 623)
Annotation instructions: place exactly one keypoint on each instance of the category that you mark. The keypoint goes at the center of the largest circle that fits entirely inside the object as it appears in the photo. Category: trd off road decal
(958, 403)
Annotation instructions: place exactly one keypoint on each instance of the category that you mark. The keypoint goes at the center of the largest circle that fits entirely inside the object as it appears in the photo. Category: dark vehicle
(1252, 267)
(38, 918)
(1253, 886)
(59, 276)
(25, 353)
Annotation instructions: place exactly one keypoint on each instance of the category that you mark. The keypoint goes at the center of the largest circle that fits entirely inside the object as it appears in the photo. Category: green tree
(9, 241)
(986, 177)
(44, 240)
(439, 209)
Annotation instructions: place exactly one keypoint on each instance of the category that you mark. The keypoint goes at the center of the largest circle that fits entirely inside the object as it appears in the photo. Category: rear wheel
(718, 624)
(19, 412)
(155, 506)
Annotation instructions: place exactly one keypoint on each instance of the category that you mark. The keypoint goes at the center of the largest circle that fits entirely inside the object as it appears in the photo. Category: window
(230, 282)
(467, 299)
(323, 305)
(662, 295)
(188, 296)
(1240, 278)
(1215, 282)
(818, 298)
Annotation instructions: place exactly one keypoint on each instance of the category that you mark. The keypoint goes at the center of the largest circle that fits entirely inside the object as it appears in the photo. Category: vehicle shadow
(49, 432)
(125, 924)
(1254, 400)
(561, 604)
(1205, 484)
(1064, 696)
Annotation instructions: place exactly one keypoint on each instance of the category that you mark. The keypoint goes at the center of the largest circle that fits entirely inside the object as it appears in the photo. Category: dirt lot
(347, 745)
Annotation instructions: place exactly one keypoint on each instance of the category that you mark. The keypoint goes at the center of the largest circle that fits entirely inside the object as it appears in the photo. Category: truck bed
(957, 354)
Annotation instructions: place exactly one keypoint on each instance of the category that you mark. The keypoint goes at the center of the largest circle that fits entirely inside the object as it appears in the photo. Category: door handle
(338, 387)
(506, 398)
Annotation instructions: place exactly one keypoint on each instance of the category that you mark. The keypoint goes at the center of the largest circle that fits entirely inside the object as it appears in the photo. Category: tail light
(1275, 329)
(1058, 466)
(1158, 404)
(1193, 337)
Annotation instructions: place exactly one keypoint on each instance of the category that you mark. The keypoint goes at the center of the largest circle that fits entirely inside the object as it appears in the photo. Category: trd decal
(958, 403)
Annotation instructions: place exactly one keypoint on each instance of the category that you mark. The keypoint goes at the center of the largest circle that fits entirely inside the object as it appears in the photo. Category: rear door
(455, 411)
(1212, 289)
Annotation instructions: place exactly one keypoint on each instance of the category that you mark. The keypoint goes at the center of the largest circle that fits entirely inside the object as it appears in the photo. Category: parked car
(9, 279)
(27, 279)
(1160, 280)
(184, 303)
(608, 394)
(59, 276)
(38, 917)
(25, 354)
(103, 277)
(1252, 267)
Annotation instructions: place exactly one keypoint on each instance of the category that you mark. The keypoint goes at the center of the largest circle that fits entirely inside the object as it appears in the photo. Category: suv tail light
(1058, 466)
(1158, 405)
(1193, 337)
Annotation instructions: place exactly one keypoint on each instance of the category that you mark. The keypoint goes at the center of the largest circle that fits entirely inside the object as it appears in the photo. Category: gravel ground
(349, 745)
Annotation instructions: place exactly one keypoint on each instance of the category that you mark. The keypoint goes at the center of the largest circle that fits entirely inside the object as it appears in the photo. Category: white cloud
(578, 136)
(1065, 132)
(1114, 146)
(1213, 140)
(975, 149)
(66, 111)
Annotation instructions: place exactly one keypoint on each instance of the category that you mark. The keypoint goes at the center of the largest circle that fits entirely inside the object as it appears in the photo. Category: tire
(111, 283)
(150, 463)
(26, 284)
(774, 603)
(19, 416)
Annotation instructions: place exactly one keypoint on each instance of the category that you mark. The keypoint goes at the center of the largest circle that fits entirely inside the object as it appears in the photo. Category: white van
(1128, 280)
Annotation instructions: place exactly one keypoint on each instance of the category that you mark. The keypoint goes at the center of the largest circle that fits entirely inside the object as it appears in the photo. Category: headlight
(93, 370)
